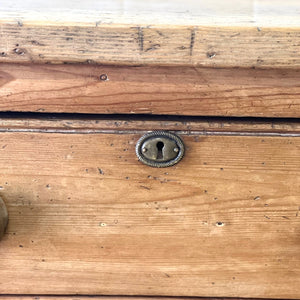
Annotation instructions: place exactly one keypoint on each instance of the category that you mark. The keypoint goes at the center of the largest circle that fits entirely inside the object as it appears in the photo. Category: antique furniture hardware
(160, 149)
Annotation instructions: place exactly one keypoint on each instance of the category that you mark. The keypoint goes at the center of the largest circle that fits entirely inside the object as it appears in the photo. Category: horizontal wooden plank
(138, 124)
(199, 33)
(57, 297)
(150, 90)
(152, 45)
(87, 218)
(73, 297)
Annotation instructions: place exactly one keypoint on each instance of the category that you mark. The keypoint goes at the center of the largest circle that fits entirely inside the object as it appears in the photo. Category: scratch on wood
(153, 47)
(141, 38)
(192, 42)
(36, 43)
(236, 34)
(145, 187)
(210, 54)
(100, 171)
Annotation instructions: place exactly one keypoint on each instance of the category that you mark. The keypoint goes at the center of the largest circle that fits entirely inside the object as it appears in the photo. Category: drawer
(86, 217)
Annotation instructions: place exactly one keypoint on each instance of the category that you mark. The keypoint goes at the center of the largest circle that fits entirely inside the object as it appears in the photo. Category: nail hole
(103, 77)
(210, 54)
(220, 224)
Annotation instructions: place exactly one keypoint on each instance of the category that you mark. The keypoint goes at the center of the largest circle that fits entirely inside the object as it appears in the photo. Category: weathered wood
(198, 33)
(150, 90)
(87, 218)
(3, 217)
(138, 124)
(164, 45)
(73, 297)
(56, 297)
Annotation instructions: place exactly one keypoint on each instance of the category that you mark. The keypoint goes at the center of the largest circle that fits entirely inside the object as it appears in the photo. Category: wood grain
(73, 297)
(150, 90)
(137, 124)
(87, 218)
(3, 217)
(248, 33)
(70, 297)
(135, 44)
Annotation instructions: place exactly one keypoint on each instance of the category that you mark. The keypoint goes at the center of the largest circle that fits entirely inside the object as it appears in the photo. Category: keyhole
(160, 146)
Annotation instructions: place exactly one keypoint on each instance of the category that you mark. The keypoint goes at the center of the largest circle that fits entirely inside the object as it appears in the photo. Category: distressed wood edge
(138, 53)
(85, 297)
(134, 24)
(250, 11)
(129, 124)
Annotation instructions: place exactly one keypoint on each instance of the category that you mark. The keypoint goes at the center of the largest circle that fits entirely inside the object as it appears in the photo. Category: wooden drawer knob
(3, 217)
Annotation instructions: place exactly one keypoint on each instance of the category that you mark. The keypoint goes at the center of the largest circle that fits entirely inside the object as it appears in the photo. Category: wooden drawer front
(87, 218)
(150, 90)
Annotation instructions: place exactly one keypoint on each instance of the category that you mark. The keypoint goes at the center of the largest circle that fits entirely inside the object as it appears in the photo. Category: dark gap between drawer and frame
(68, 123)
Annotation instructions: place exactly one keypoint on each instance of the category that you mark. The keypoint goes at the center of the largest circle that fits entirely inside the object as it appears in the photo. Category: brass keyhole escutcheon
(160, 149)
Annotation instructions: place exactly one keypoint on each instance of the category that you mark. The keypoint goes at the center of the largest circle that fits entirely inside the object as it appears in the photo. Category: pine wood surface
(248, 33)
(73, 297)
(150, 90)
(89, 124)
(87, 218)
(151, 45)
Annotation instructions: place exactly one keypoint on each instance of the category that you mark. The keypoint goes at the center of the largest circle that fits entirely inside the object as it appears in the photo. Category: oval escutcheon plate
(160, 149)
